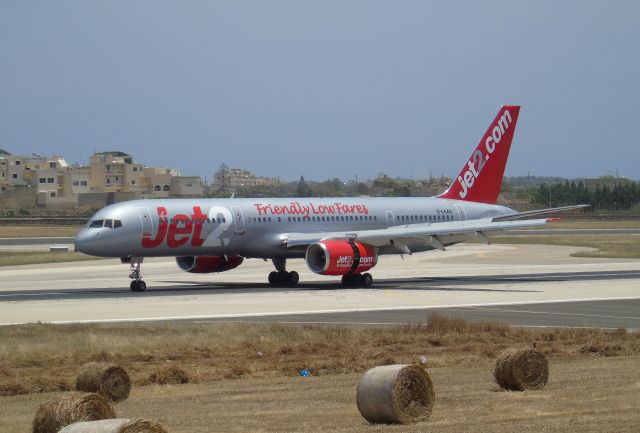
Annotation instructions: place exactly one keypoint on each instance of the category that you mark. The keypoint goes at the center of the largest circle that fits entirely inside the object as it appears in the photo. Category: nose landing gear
(137, 284)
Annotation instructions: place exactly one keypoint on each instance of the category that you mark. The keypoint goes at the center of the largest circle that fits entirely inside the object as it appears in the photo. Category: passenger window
(117, 224)
(96, 223)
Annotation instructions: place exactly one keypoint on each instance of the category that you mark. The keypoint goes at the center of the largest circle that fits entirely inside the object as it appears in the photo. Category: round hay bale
(519, 370)
(395, 394)
(109, 380)
(115, 426)
(52, 415)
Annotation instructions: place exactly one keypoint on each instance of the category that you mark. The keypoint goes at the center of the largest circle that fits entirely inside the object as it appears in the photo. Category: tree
(303, 189)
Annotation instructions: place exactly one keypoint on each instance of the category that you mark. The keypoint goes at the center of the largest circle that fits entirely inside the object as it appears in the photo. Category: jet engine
(339, 257)
(208, 264)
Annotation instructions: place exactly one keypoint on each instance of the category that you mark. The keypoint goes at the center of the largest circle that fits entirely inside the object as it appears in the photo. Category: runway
(611, 314)
(524, 285)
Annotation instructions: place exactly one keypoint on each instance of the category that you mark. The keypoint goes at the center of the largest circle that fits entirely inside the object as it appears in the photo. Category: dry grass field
(245, 377)
(591, 394)
(14, 258)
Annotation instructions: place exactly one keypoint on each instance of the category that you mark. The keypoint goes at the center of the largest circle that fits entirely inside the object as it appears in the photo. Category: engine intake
(208, 264)
(338, 257)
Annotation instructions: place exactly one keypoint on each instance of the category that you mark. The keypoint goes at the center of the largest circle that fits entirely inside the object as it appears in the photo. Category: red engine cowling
(340, 257)
(208, 264)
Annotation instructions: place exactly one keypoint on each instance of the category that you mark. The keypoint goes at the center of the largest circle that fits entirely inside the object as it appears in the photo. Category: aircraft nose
(85, 242)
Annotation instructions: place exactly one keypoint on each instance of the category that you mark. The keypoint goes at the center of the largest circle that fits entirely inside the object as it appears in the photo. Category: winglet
(481, 177)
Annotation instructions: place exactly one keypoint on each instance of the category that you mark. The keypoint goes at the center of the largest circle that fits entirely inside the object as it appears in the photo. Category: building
(115, 171)
(230, 179)
(80, 179)
(157, 180)
(187, 186)
(110, 176)
(4, 165)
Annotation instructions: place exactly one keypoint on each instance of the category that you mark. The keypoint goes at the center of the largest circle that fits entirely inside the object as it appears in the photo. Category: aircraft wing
(437, 235)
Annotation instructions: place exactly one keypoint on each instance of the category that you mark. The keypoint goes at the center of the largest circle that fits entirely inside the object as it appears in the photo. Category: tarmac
(523, 285)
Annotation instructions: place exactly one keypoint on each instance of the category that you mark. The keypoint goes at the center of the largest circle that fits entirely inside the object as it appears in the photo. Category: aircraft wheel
(352, 280)
(138, 286)
(367, 279)
(273, 278)
(293, 278)
(283, 277)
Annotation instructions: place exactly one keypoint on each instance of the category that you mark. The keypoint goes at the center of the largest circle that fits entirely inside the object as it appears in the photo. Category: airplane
(341, 236)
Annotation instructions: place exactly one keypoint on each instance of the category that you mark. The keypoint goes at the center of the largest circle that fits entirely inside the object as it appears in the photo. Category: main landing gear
(137, 284)
(281, 276)
(357, 280)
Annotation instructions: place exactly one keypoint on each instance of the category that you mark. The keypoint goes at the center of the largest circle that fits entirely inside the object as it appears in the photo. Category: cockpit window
(95, 224)
(108, 223)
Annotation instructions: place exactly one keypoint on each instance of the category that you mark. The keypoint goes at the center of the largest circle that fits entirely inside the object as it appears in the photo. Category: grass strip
(13, 258)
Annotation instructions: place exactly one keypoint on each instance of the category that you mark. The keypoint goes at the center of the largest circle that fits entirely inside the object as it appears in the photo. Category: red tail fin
(481, 177)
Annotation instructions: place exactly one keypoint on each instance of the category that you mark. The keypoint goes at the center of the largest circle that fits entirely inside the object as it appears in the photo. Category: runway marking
(348, 310)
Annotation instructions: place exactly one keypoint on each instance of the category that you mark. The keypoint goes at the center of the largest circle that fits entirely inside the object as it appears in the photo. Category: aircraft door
(238, 220)
(461, 212)
(391, 220)
(146, 221)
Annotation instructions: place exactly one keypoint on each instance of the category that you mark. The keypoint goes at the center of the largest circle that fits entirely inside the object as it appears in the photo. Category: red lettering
(197, 217)
(174, 230)
(147, 242)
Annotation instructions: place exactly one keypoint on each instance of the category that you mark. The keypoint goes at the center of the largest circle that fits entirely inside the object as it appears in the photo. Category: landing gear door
(462, 214)
(238, 220)
(146, 221)
(391, 221)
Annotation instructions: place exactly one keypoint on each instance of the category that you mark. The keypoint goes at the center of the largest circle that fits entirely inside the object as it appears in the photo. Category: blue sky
(323, 88)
